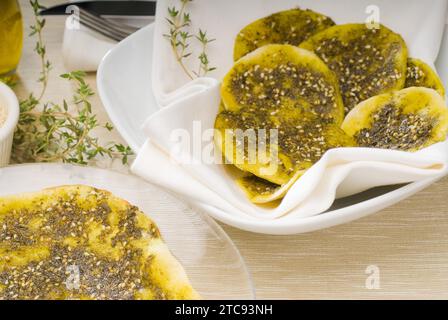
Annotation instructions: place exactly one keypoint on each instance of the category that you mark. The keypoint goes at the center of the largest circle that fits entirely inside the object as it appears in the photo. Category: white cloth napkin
(341, 172)
(83, 49)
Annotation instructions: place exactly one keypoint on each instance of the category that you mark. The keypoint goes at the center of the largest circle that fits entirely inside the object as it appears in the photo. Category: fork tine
(102, 31)
(107, 33)
(101, 26)
(121, 26)
(102, 23)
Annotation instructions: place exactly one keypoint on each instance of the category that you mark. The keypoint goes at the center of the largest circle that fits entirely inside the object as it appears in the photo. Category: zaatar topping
(258, 186)
(302, 140)
(261, 191)
(286, 27)
(407, 120)
(393, 129)
(415, 76)
(367, 61)
(100, 277)
(265, 89)
(278, 76)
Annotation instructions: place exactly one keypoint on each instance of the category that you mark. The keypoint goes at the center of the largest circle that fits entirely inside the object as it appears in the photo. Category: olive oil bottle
(11, 36)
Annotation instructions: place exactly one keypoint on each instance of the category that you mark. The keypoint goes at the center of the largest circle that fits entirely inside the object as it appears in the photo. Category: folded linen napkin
(340, 172)
(83, 48)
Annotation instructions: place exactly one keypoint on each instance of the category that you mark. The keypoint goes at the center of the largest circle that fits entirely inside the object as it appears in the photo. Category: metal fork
(106, 27)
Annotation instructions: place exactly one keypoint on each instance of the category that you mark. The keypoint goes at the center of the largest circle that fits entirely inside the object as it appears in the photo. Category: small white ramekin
(8, 100)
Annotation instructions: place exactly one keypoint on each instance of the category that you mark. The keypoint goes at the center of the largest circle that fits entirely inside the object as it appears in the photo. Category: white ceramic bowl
(124, 85)
(8, 100)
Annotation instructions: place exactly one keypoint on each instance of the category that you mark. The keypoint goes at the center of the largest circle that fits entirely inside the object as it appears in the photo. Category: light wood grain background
(407, 242)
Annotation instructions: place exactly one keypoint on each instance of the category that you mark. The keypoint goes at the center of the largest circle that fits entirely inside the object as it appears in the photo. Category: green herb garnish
(51, 132)
(179, 37)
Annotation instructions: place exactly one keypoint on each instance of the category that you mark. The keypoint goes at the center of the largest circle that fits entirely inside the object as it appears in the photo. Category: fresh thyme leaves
(179, 20)
(40, 49)
(49, 132)
(204, 66)
(179, 37)
(55, 134)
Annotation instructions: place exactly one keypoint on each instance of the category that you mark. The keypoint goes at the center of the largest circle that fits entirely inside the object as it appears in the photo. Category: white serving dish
(124, 84)
(211, 260)
(9, 101)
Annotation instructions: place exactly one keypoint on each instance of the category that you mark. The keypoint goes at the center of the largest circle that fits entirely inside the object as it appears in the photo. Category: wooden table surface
(406, 245)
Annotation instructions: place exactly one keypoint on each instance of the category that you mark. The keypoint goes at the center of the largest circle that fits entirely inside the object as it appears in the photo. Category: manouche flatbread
(78, 242)
(367, 62)
(285, 27)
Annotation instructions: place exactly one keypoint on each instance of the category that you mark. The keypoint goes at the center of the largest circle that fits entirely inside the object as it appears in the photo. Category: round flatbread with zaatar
(407, 120)
(80, 243)
(367, 62)
(286, 27)
(276, 77)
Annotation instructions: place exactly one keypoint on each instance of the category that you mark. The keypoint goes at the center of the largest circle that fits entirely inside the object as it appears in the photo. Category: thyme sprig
(40, 48)
(50, 132)
(204, 65)
(179, 37)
